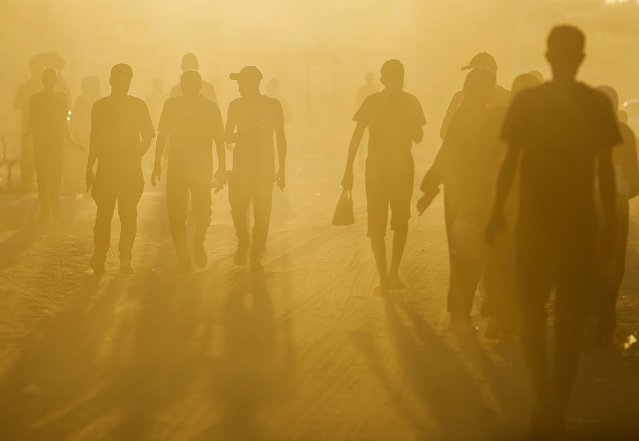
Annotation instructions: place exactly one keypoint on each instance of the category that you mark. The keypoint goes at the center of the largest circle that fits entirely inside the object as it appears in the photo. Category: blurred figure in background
(74, 164)
(190, 62)
(563, 132)
(252, 121)
(610, 274)
(463, 165)
(368, 88)
(394, 119)
(121, 133)
(500, 270)
(482, 60)
(191, 123)
(273, 90)
(48, 124)
(22, 104)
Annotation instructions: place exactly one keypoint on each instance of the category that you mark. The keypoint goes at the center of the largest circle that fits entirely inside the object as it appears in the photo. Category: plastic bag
(344, 210)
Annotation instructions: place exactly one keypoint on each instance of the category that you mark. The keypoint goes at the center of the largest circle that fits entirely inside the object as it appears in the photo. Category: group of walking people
(536, 187)
(536, 184)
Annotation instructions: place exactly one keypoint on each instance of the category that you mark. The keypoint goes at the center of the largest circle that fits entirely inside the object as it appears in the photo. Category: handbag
(344, 210)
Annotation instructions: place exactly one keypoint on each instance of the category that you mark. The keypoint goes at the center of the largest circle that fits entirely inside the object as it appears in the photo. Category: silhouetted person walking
(482, 60)
(190, 62)
(463, 166)
(610, 274)
(48, 123)
(563, 132)
(121, 133)
(394, 119)
(191, 123)
(80, 126)
(252, 121)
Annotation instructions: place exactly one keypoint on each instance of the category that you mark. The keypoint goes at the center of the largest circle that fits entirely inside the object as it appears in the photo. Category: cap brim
(467, 67)
(234, 76)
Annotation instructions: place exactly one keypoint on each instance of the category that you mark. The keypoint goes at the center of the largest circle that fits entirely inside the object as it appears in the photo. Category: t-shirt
(192, 125)
(391, 118)
(255, 119)
(48, 117)
(118, 124)
(560, 129)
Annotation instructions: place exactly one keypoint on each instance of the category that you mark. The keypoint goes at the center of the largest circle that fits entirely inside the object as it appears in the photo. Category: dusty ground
(307, 351)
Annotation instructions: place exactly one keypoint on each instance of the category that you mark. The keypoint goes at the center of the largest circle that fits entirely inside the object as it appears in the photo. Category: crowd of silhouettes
(536, 184)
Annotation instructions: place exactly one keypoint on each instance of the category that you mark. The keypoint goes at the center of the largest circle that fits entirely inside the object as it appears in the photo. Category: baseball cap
(247, 73)
(481, 60)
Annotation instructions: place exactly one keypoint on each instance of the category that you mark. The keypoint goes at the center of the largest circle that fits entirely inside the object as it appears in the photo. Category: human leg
(130, 192)
(177, 201)
(239, 198)
(201, 211)
(105, 199)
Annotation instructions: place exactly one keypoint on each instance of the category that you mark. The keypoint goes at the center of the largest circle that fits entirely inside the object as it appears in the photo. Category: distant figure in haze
(563, 132)
(48, 124)
(394, 119)
(22, 104)
(610, 274)
(463, 165)
(273, 91)
(121, 133)
(500, 284)
(191, 123)
(80, 126)
(482, 60)
(156, 99)
(190, 62)
(252, 121)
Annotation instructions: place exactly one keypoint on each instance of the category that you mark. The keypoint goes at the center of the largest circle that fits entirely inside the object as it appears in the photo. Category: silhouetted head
(49, 78)
(273, 86)
(523, 82)
(35, 68)
(537, 75)
(248, 80)
(190, 62)
(612, 95)
(479, 86)
(369, 77)
(482, 60)
(121, 75)
(565, 51)
(393, 75)
(191, 83)
(90, 86)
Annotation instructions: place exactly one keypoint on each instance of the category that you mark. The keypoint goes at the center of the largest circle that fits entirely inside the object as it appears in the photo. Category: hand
(280, 179)
(156, 175)
(220, 178)
(347, 180)
(496, 225)
(89, 178)
(608, 241)
(424, 202)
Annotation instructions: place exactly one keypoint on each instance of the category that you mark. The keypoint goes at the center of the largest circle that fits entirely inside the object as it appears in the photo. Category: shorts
(388, 189)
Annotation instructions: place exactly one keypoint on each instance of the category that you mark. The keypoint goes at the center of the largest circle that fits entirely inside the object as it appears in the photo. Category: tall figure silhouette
(253, 120)
(191, 123)
(564, 132)
(394, 119)
(121, 133)
(48, 123)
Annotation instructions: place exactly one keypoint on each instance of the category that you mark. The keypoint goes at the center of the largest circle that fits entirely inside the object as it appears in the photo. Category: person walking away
(563, 132)
(463, 166)
(121, 133)
(191, 123)
(395, 121)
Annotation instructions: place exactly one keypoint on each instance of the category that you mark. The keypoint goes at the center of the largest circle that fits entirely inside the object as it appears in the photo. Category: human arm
(505, 180)
(356, 140)
(607, 193)
(160, 145)
(93, 147)
(282, 148)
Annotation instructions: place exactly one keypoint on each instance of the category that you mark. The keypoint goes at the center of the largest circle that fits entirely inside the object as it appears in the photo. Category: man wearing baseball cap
(253, 120)
(482, 60)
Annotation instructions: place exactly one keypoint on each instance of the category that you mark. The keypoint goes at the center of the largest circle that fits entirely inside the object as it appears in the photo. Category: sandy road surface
(307, 351)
